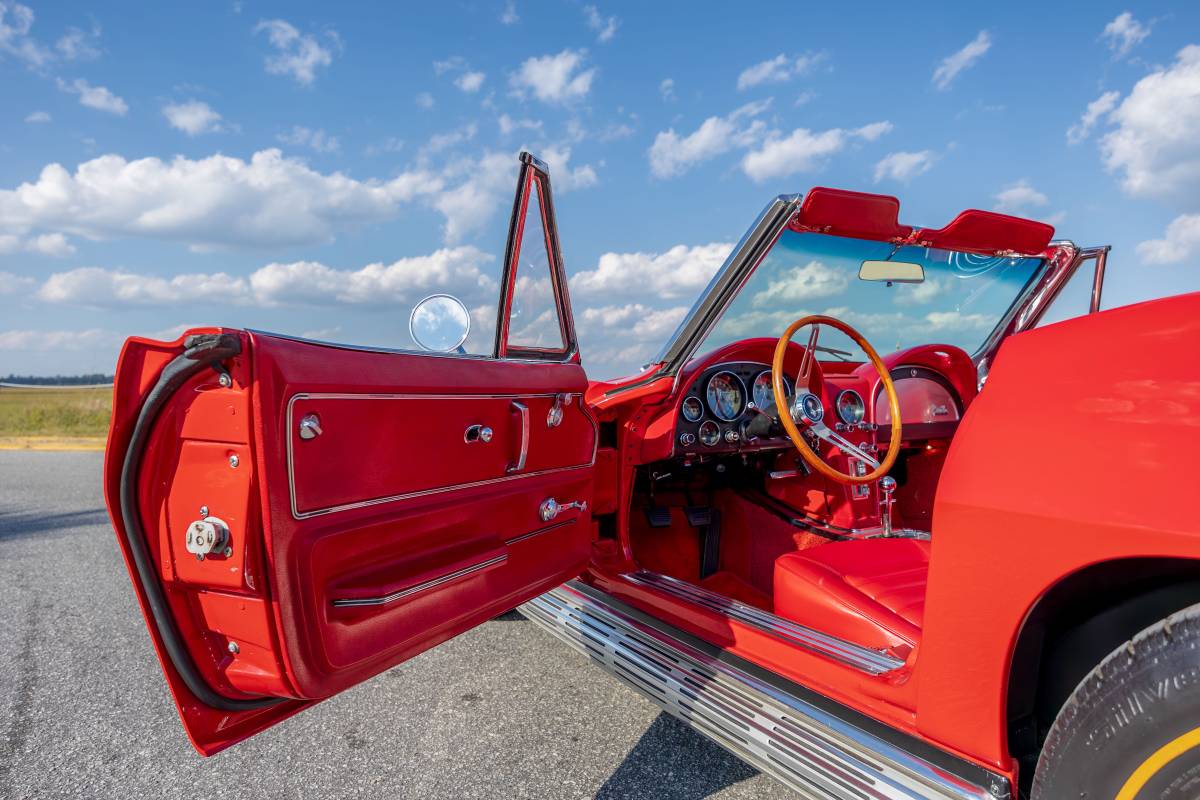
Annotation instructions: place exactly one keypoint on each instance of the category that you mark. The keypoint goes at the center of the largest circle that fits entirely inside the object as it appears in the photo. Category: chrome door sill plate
(811, 749)
(874, 662)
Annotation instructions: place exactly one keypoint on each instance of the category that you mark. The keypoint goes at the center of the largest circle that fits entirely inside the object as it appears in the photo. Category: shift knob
(887, 485)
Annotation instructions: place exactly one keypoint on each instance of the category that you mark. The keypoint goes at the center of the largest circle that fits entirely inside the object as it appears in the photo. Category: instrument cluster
(717, 405)
(721, 402)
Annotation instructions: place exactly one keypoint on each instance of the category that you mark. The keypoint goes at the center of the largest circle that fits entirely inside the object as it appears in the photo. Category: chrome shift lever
(887, 485)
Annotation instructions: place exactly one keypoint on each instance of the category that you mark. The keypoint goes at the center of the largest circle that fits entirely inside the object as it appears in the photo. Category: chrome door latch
(478, 433)
(554, 416)
(310, 426)
(207, 536)
(551, 508)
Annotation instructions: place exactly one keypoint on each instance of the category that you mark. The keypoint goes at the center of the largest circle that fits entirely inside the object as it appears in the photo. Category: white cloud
(297, 54)
(604, 27)
(424, 100)
(79, 45)
(803, 150)
(956, 320)
(50, 244)
(1155, 145)
(779, 69)
(907, 294)
(14, 284)
(1180, 241)
(965, 58)
(509, 125)
(666, 88)
(97, 97)
(217, 201)
(633, 318)
(444, 141)
(1096, 109)
(16, 22)
(566, 178)
(1019, 197)
(509, 15)
(1124, 33)
(38, 117)
(93, 286)
(556, 78)
(470, 81)
(193, 117)
(46, 341)
(903, 166)
(318, 140)
(298, 283)
(800, 284)
(680, 272)
(672, 154)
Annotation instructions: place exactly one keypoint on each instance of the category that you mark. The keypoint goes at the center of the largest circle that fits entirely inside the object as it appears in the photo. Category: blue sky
(315, 168)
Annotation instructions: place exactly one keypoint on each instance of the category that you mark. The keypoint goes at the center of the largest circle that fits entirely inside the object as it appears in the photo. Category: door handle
(524, 443)
(551, 508)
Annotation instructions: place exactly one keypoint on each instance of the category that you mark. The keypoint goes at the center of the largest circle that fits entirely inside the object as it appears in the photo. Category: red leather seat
(870, 592)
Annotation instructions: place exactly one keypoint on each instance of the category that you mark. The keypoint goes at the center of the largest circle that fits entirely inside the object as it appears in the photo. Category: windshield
(959, 302)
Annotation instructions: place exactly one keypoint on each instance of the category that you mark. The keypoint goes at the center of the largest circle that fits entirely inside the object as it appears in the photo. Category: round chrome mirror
(439, 323)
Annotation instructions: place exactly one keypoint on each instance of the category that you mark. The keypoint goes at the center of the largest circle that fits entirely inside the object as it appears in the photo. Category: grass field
(54, 418)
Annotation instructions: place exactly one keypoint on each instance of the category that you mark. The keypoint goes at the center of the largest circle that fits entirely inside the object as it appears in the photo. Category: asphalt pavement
(502, 711)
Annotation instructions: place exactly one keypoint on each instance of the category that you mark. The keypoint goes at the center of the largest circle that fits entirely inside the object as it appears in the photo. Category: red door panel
(276, 564)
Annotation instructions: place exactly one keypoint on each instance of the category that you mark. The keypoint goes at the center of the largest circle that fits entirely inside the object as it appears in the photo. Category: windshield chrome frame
(727, 283)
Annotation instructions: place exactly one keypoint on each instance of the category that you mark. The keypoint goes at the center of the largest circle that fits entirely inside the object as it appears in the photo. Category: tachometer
(850, 407)
(726, 395)
(763, 394)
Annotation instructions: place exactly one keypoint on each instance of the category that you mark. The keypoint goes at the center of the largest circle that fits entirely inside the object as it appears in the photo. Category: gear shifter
(887, 485)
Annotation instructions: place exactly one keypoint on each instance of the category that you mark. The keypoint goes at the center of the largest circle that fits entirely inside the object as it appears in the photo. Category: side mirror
(891, 271)
(439, 323)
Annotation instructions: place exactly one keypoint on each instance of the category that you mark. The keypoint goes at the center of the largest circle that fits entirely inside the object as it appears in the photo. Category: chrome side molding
(813, 747)
(873, 662)
(388, 599)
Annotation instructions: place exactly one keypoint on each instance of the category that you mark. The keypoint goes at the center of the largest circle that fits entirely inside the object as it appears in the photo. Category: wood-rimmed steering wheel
(805, 410)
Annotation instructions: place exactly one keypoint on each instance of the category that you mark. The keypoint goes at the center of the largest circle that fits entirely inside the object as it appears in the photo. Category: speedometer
(763, 394)
(726, 396)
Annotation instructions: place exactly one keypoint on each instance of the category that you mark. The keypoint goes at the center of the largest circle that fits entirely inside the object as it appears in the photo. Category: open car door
(298, 516)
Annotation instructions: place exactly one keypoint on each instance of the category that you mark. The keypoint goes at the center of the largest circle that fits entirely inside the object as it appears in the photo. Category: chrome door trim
(813, 745)
(540, 531)
(388, 599)
(864, 659)
(291, 471)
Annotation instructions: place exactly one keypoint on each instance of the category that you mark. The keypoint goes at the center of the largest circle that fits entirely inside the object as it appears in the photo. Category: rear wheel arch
(1074, 626)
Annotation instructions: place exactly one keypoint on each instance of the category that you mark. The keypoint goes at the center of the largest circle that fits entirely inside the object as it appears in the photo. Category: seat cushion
(870, 592)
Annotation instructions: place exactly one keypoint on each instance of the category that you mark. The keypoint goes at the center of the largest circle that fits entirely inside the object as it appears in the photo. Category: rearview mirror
(439, 323)
(891, 271)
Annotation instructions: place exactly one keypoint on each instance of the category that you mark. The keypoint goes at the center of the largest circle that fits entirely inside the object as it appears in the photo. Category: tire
(1131, 729)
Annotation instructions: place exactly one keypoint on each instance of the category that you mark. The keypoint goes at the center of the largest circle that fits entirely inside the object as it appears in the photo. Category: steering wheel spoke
(827, 434)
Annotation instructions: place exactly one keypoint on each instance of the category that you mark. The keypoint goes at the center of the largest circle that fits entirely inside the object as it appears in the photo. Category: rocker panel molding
(805, 747)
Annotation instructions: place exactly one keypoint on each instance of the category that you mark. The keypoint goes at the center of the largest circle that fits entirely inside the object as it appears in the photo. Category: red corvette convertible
(966, 568)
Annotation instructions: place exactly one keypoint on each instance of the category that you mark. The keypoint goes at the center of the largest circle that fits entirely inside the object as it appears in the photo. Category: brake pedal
(698, 516)
(658, 516)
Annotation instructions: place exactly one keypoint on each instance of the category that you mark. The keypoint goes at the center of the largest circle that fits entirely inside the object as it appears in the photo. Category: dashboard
(724, 397)
(720, 404)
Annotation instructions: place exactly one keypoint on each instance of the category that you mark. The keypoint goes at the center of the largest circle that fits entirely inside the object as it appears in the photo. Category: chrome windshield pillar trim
(809, 743)
(864, 659)
(388, 599)
(723, 287)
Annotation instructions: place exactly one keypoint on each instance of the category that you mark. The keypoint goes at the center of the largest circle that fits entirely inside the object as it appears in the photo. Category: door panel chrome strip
(809, 749)
(420, 587)
(540, 531)
(291, 470)
(874, 662)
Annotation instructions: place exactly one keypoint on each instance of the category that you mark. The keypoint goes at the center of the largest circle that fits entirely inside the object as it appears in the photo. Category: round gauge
(808, 406)
(710, 434)
(693, 409)
(763, 394)
(850, 407)
(726, 395)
